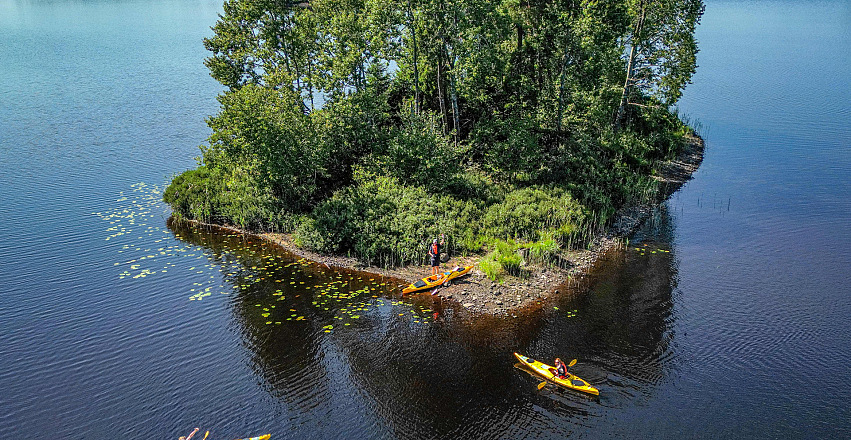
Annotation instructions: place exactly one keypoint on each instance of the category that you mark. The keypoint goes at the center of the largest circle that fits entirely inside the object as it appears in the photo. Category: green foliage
(509, 262)
(348, 129)
(264, 135)
(508, 147)
(545, 249)
(417, 154)
(525, 212)
(190, 194)
(209, 195)
(370, 127)
(384, 222)
(491, 268)
(502, 260)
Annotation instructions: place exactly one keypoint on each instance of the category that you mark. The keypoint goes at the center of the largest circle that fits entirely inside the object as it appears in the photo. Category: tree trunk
(310, 80)
(454, 95)
(619, 117)
(562, 77)
(456, 118)
(413, 26)
(440, 91)
(630, 68)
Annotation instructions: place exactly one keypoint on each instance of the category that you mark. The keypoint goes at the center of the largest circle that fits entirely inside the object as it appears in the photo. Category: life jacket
(434, 249)
(561, 370)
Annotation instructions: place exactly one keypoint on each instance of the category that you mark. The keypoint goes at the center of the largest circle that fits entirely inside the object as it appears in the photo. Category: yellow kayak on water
(572, 381)
(441, 279)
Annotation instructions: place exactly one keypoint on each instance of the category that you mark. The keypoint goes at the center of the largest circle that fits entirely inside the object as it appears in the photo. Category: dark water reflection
(453, 375)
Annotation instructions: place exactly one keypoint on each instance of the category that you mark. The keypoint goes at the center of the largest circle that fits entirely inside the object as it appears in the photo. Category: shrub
(262, 138)
(491, 268)
(210, 195)
(381, 221)
(525, 212)
(189, 194)
(544, 249)
(508, 146)
(417, 154)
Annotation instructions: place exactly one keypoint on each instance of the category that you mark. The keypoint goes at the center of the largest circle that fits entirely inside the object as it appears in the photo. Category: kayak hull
(437, 280)
(572, 382)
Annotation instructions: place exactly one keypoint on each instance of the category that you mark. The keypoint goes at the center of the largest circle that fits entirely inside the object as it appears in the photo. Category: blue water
(115, 323)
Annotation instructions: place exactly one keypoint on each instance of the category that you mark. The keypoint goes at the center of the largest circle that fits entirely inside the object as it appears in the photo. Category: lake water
(727, 316)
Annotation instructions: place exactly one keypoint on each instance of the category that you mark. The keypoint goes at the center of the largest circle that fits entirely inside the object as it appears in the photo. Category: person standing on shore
(434, 254)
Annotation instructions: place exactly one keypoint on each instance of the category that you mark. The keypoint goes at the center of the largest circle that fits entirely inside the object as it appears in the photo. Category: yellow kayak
(441, 279)
(572, 381)
(262, 437)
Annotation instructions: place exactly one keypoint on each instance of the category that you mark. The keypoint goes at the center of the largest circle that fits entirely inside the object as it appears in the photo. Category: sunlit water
(727, 316)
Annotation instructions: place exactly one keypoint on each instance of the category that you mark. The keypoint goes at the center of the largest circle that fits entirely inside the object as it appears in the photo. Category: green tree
(663, 51)
(264, 133)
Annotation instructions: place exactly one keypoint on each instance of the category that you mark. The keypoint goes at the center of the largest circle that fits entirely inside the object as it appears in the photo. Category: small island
(533, 137)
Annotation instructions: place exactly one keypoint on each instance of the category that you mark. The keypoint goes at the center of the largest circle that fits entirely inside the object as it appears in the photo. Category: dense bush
(526, 212)
(417, 154)
(213, 196)
(191, 193)
(262, 138)
(382, 221)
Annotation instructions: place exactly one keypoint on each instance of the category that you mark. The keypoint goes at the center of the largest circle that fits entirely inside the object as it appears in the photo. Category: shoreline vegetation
(527, 134)
(480, 295)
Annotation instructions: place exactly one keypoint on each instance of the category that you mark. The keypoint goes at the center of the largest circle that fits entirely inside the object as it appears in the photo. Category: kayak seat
(419, 284)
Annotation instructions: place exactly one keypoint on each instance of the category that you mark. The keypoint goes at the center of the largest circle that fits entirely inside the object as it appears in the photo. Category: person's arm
(190, 435)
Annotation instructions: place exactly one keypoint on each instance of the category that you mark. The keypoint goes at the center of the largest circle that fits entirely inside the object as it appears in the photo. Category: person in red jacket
(434, 254)
(561, 369)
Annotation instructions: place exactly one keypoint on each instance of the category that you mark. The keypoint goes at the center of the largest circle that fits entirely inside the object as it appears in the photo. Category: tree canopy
(464, 99)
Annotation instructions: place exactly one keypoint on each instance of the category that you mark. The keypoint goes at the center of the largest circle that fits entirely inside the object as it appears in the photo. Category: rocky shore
(478, 294)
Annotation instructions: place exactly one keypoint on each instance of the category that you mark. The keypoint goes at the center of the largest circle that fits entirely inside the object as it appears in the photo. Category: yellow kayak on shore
(572, 381)
(441, 279)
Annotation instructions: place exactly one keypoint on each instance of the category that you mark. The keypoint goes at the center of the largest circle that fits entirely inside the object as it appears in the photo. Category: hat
(435, 241)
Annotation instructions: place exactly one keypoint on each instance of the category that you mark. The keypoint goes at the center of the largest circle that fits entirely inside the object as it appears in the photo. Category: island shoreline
(480, 295)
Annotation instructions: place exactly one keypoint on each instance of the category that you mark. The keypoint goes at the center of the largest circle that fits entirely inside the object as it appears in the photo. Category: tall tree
(662, 55)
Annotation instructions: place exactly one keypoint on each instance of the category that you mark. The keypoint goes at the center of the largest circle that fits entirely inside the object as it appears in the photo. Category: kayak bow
(572, 382)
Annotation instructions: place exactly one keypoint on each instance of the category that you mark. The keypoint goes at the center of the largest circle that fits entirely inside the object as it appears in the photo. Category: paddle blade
(572, 363)
(542, 385)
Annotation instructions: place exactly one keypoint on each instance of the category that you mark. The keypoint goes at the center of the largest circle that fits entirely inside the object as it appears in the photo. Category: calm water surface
(726, 317)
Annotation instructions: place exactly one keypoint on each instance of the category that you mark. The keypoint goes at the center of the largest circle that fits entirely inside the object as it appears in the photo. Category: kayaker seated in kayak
(434, 254)
(561, 369)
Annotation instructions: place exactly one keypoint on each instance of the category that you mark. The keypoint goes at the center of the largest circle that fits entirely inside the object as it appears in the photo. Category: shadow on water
(327, 342)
